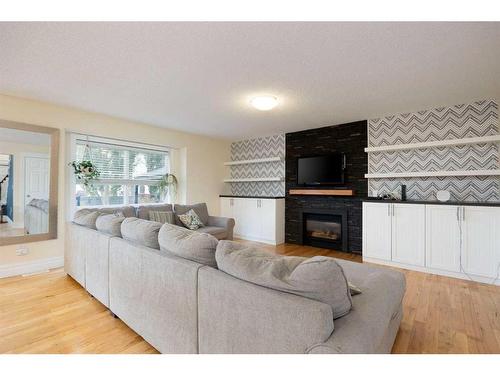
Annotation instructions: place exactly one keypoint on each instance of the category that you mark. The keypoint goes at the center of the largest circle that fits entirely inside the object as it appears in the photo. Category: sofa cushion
(127, 211)
(142, 232)
(162, 217)
(110, 224)
(200, 209)
(143, 210)
(218, 232)
(191, 220)
(86, 217)
(188, 244)
(318, 278)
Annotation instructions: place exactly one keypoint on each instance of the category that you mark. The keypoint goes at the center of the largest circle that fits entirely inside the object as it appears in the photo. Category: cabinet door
(238, 210)
(226, 207)
(481, 240)
(246, 218)
(377, 230)
(253, 219)
(443, 237)
(267, 214)
(408, 233)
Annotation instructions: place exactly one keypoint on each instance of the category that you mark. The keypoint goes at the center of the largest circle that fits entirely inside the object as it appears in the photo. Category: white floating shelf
(263, 179)
(479, 172)
(446, 142)
(253, 161)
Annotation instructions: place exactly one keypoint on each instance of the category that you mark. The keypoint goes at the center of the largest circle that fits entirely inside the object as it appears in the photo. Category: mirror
(28, 182)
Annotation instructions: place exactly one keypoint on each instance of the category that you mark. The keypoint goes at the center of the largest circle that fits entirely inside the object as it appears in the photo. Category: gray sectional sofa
(177, 299)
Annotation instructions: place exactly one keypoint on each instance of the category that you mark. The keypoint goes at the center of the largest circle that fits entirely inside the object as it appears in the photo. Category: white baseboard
(39, 265)
(457, 275)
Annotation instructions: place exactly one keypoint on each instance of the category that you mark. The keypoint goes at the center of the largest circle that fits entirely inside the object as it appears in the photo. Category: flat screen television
(321, 170)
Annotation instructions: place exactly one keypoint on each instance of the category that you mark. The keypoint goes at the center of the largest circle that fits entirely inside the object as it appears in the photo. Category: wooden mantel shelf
(342, 192)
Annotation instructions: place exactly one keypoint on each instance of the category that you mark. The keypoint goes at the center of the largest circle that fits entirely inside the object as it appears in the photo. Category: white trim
(254, 179)
(39, 265)
(255, 239)
(446, 142)
(254, 161)
(434, 271)
(476, 172)
(120, 142)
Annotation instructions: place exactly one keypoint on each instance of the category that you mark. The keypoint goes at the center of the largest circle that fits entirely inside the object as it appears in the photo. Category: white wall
(199, 163)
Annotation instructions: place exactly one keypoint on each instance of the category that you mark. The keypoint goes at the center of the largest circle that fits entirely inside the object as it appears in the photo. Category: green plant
(168, 183)
(84, 172)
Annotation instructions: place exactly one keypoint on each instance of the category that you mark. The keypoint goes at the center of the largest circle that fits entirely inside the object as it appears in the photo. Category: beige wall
(199, 160)
(19, 151)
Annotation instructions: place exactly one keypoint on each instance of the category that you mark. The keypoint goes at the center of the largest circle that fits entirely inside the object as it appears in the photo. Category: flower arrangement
(84, 171)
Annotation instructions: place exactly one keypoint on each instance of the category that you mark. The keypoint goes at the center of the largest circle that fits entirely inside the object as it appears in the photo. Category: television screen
(321, 170)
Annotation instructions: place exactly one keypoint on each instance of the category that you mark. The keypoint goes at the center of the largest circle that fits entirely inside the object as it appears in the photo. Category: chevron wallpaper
(259, 148)
(460, 121)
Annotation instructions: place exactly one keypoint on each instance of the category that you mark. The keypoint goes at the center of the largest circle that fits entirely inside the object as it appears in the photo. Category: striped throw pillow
(164, 217)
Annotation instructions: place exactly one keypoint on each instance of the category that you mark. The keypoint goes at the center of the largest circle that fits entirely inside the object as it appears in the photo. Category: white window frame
(74, 137)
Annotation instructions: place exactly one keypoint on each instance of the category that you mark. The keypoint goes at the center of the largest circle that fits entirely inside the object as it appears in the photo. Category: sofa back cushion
(318, 278)
(127, 211)
(110, 224)
(141, 232)
(86, 217)
(200, 209)
(188, 244)
(143, 211)
(163, 217)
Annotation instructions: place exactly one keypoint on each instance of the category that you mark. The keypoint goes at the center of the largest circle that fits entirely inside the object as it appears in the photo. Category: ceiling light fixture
(264, 103)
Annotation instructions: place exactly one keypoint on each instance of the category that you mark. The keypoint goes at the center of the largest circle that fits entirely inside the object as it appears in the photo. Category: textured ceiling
(198, 77)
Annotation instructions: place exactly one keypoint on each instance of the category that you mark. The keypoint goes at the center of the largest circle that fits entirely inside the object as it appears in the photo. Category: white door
(267, 214)
(481, 240)
(377, 230)
(443, 237)
(408, 234)
(37, 174)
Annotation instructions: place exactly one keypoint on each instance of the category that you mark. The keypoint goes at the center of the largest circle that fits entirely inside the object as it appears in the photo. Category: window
(129, 172)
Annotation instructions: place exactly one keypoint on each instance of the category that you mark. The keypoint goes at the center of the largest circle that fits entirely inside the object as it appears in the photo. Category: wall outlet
(22, 250)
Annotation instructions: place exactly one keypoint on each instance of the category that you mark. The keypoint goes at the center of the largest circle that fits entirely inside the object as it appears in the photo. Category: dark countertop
(449, 203)
(247, 196)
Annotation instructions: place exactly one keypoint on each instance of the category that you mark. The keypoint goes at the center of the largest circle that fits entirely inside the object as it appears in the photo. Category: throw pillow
(318, 278)
(191, 220)
(86, 217)
(164, 217)
(187, 244)
(110, 224)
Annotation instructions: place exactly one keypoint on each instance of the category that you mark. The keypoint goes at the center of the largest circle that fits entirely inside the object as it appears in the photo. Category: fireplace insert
(325, 229)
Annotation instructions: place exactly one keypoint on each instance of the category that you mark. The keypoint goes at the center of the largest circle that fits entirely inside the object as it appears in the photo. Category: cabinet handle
(463, 213)
(392, 210)
(388, 210)
(458, 215)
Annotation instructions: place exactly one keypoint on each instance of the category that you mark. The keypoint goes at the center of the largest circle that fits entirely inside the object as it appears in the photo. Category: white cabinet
(408, 234)
(451, 240)
(394, 232)
(257, 219)
(443, 237)
(377, 230)
(481, 240)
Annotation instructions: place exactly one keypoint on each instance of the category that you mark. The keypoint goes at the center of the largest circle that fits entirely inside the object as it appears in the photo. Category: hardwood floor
(51, 313)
